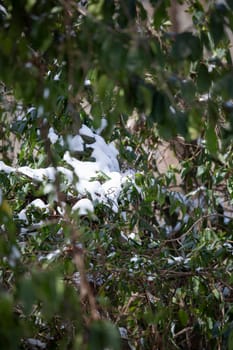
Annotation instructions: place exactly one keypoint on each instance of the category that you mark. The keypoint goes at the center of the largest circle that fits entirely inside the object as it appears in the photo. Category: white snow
(40, 111)
(36, 343)
(178, 260)
(87, 173)
(105, 155)
(112, 189)
(93, 188)
(57, 76)
(101, 179)
(38, 174)
(135, 259)
(84, 170)
(84, 206)
(132, 235)
(61, 141)
(21, 117)
(67, 173)
(52, 135)
(172, 110)
(226, 292)
(5, 168)
(151, 278)
(51, 256)
(38, 203)
(103, 125)
(129, 148)
(14, 256)
(48, 188)
(204, 98)
(124, 215)
(23, 216)
(3, 10)
(46, 93)
(87, 82)
(123, 332)
(84, 130)
(75, 143)
(228, 104)
(31, 109)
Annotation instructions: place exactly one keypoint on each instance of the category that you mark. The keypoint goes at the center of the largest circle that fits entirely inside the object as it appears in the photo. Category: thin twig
(184, 330)
(193, 225)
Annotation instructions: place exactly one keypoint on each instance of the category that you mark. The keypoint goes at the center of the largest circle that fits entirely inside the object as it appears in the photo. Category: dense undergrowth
(99, 248)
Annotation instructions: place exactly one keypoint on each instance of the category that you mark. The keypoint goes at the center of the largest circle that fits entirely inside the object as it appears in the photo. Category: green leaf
(183, 317)
(188, 90)
(201, 170)
(187, 46)
(9, 329)
(230, 4)
(104, 334)
(160, 13)
(224, 86)
(108, 9)
(27, 295)
(213, 113)
(211, 140)
(195, 123)
(203, 78)
(230, 340)
(217, 24)
(160, 107)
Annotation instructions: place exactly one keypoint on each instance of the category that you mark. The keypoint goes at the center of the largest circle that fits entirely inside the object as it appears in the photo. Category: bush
(100, 248)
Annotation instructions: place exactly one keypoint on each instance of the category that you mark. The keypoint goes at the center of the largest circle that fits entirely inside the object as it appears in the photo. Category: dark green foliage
(160, 267)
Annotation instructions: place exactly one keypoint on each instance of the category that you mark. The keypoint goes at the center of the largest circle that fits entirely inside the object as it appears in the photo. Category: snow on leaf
(75, 143)
(103, 125)
(101, 179)
(38, 203)
(105, 155)
(36, 343)
(5, 168)
(84, 206)
(38, 174)
(85, 131)
(52, 135)
(51, 256)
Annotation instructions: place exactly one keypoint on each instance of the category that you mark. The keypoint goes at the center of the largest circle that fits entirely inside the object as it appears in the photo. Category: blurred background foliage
(158, 272)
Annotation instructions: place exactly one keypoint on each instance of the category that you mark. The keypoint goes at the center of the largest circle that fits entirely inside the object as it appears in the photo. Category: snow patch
(5, 168)
(85, 131)
(52, 135)
(75, 143)
(84, 206)
(36, 343)
(105, 155)
(38, 203)
(38, 174)
(103, 125)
